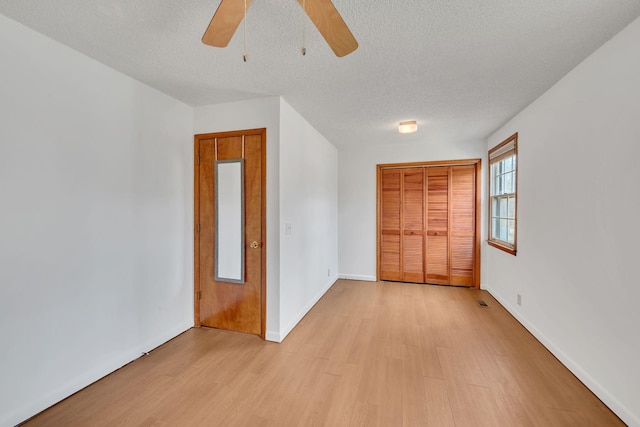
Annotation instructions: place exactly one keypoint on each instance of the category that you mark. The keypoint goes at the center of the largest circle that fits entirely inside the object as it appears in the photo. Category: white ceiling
(461, 68)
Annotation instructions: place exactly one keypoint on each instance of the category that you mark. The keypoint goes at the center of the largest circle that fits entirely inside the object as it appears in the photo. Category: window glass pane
(508, 183)
(503, 229)
(510, 235)
(494, 207)
(503, 207)
(493, 180)
(495, 230)
(507, 164)
(492, 185)
(511, 211)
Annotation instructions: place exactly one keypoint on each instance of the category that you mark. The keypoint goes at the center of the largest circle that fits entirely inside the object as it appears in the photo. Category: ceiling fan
(322, 13)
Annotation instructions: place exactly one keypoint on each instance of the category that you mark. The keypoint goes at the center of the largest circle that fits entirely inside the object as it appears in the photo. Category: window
(503, 185)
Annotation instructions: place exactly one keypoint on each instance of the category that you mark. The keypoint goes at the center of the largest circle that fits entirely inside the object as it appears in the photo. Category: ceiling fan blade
(328, 21)
(224, 22)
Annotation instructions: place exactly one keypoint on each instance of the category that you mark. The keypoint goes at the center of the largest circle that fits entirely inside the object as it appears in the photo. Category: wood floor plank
(345, 404)
(368, 354)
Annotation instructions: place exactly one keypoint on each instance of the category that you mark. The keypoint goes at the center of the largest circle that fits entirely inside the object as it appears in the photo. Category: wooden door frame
(468, 162)
(196, 221)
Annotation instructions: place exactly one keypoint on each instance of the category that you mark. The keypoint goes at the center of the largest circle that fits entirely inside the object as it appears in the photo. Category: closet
(428, 222)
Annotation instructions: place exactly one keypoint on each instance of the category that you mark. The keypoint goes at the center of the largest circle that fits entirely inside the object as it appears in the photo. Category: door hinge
(197, 228)
(199, 295)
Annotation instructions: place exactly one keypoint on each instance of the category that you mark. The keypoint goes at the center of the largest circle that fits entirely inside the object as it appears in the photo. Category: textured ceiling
(461, 68)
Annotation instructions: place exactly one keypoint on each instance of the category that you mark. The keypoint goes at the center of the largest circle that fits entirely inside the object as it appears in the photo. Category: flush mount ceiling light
(409, 126)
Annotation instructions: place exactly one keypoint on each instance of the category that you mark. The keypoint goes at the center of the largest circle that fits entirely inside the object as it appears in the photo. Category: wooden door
(463, 225)
(437, 189)
(221, 303)
(428, 223)
(390, 228)
(413, 218)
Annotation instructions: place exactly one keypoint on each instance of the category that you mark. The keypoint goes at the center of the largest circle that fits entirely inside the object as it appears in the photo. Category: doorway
(428, 222)
(230, 231)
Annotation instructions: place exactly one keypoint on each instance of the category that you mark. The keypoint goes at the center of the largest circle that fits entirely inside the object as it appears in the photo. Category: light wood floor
(368, 354)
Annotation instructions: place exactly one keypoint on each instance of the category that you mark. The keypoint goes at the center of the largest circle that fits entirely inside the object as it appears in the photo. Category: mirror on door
(229, 242)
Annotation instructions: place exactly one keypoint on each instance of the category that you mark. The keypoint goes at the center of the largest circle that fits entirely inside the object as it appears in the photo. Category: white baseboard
(286, 330)
(603, 394)
(357, 277)
(76, 384)
(273, 336)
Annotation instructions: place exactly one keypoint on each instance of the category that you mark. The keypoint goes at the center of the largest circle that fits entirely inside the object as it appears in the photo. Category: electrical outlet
(519, 299)
(328, 272)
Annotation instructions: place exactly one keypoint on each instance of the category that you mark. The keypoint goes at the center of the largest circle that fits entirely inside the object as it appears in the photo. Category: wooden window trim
(504, 248)
(500, 244)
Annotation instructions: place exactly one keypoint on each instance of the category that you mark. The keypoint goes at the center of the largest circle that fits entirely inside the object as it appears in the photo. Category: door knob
(255, 245)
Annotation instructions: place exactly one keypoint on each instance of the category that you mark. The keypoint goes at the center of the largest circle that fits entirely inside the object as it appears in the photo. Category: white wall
(357, 195)
(578, 228)
(308, 217)
(253, 114)
(95, 221)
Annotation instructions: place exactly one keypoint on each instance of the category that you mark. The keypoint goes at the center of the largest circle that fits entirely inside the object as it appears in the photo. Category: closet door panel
(413, 225)
(463, 201)
(390, 224)
(390, 254)
(437, 256)
(391, 200)
(413, 256)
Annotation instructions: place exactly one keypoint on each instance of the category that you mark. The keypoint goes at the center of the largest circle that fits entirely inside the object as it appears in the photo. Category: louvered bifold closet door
(428, 223)
(390, 226)
(437, 259)
(413, 218)
(462, 241)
